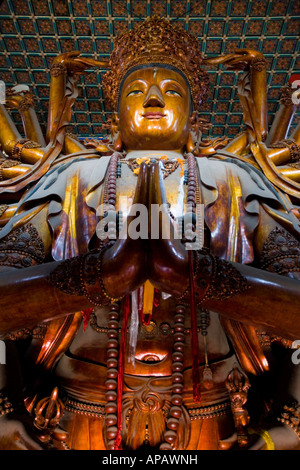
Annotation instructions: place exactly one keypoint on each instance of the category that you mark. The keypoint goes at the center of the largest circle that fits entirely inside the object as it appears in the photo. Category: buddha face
(154, 110)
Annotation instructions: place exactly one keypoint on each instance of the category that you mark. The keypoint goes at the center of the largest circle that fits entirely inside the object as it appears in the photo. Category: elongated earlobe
(118, 144)
(116, 136)
(190, 145)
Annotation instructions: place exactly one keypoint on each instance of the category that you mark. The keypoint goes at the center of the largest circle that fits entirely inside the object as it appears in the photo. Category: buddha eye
(172, 92)
(134, 92)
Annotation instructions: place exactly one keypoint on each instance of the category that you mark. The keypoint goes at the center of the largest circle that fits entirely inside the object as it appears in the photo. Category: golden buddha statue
(125, 338)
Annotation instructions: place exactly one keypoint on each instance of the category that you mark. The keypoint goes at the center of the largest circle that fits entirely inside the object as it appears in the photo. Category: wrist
(58, 68)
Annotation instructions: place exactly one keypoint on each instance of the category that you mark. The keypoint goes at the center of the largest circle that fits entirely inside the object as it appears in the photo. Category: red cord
(194, 335)
(118, 439)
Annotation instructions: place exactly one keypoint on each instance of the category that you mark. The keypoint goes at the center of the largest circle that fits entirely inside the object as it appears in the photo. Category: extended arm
(235, 291)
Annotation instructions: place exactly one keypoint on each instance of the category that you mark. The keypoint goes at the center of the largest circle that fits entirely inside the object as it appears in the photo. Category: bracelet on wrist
(290, 416)
(6, 406)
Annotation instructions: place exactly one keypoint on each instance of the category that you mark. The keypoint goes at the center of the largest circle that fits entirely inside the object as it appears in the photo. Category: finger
(229, 443)
(219, 59)
(73, 54)
(28, 443)
(59, 434)
(157, 194)
(140, 199)
(258, 445)
(93, 62)
(241, 51)
(141, 190)
(158, 202)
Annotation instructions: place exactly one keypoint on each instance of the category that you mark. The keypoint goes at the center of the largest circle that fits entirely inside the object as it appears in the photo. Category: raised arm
(235, 291)
(23, 101)
(252, 87)
(64, 68)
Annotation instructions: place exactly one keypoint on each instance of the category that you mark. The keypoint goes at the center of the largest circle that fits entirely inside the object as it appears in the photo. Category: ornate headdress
(156, 41)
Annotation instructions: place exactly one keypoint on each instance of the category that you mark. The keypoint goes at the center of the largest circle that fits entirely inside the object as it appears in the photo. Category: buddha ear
(114, 124)
(190, 145)
(115, 132)
(194, 134)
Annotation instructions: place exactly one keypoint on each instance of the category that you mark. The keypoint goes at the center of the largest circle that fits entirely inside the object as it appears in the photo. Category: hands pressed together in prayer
(164, 261)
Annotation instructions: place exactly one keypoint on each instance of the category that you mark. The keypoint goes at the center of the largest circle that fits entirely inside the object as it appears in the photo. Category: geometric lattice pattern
(33, 32)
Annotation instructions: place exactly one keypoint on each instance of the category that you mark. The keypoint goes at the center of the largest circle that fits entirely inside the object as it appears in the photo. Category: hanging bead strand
(111, 418)
(175, 412)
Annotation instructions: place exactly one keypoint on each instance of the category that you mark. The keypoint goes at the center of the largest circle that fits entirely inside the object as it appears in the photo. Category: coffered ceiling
(33, 32)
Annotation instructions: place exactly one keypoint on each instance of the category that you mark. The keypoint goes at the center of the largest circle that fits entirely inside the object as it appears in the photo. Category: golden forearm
(258, 83)
(291, 172)
(9, 138)
(238, 145)
(279, 156)
(6, 211)
(24, 103)
(72, 145)
(260, 304)
(36, 288)
(57, 92)
(283, 118)
(296, 134)
(32, 127)
(9, 134)
(14, 171)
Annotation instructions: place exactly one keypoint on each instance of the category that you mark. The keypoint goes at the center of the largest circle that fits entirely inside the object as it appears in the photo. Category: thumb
(228, 443)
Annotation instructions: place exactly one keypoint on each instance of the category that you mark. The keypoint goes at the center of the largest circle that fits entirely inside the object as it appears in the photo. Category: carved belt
(209, 412)
(85, 408)
(98, 411)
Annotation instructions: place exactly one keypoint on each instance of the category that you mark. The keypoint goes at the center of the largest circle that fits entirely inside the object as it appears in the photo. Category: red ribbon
(194, 335)
(86, 316)
(118, 439)
(156, 298)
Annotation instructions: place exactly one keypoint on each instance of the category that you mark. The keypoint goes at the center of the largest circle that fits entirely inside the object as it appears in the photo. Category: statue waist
(86, 383)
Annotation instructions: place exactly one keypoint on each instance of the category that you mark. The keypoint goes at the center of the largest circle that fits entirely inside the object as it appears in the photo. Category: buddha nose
(154, 98)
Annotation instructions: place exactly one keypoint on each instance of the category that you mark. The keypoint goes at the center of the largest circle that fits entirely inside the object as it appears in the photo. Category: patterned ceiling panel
(33, 32)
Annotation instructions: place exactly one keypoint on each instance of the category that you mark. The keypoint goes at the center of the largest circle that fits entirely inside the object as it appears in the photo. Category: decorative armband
(22, 248)
(20, 145)
(215, 278)
(6, 163)
(292, 146)
(259, 63)
(82, 276)
(58, 69)
(280, 253)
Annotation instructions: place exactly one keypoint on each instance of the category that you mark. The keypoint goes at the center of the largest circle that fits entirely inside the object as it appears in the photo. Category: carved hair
(156, 41)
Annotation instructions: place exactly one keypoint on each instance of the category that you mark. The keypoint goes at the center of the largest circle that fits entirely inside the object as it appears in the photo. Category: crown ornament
(156, 41)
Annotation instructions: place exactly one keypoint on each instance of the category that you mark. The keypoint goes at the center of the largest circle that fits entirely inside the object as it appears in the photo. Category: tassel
(118, 439)
(146, 302)
(86, 316)
(134, 325)
(156, 298)
(194, 335)
(140, 302)
(207, 372)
